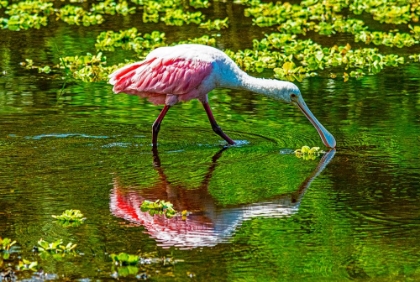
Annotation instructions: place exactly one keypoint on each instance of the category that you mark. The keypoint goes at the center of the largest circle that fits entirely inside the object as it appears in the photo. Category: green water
(257, 212)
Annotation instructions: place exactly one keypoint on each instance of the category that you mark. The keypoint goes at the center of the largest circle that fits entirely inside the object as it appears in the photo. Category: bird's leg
(215, 126)
(156, 125)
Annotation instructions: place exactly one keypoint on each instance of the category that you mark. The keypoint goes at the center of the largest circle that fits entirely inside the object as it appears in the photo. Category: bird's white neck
(276, 89)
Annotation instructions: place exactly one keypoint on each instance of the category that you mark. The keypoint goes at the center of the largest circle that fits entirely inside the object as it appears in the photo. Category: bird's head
(290, 93)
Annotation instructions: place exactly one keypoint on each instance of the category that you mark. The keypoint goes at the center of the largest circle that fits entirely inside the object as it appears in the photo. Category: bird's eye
(293, 96)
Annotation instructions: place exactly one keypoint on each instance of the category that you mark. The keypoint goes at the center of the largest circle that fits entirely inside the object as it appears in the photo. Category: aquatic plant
(204, 40)
(77, 15)
(110, 7)
(29, 64)
(308, 153)
(6, 244)
(25, 264)
(197, 4)
(124, 264)
(124, 259)
(128, 265)
(130, 39)
(158, 207)
(284, 52)
(217, 24)
(88, 67)
(27, 14)
(180, 17)
(56, 247)
(70, 218)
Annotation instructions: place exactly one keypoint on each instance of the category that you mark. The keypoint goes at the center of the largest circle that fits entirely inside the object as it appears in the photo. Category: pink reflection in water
(206, 224)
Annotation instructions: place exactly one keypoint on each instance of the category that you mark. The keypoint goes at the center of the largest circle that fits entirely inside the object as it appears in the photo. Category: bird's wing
(176, 76)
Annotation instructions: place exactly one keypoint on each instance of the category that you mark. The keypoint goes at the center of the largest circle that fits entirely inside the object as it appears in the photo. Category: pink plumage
(169, 75)
(157, 77)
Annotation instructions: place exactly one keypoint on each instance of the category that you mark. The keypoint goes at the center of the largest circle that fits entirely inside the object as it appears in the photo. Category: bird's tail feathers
(121, 78)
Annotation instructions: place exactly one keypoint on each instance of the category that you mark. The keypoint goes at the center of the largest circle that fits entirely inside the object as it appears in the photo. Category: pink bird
(180, 73)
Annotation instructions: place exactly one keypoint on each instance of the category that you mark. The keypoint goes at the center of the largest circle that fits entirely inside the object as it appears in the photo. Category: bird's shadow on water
(207, 224)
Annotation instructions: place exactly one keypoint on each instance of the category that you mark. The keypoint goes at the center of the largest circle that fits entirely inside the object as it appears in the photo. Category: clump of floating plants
(35, 13)
(286, 50)
(55, 248)
(124, 259)
(162, 207)
(308, 153)
(125, 264)
(25, 264)
(70, 218)
(158, 207)
(6, 246)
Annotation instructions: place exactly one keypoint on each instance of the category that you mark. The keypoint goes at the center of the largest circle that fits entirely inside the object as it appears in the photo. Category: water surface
(257, 212)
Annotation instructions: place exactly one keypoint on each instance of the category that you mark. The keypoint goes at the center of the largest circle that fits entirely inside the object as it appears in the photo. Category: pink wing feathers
(155, 78)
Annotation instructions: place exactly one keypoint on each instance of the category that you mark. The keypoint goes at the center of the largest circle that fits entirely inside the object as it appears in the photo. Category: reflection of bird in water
(184, 72)
(207, 224)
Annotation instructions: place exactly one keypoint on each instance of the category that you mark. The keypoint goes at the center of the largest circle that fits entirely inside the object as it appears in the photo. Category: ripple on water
(120, 145)
(379, 193)
(285, 140)
(64, 135)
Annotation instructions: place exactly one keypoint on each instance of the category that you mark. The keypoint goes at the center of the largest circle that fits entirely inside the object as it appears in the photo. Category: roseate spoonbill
(169, 75)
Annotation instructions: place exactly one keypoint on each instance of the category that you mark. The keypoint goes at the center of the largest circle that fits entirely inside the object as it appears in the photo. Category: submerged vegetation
(290, 51)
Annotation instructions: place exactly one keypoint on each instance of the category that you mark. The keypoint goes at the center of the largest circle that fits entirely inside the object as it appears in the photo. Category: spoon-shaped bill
(325, 135)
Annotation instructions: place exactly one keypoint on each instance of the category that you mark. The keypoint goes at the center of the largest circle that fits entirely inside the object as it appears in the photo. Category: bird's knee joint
(156, 127)
(217, 129)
